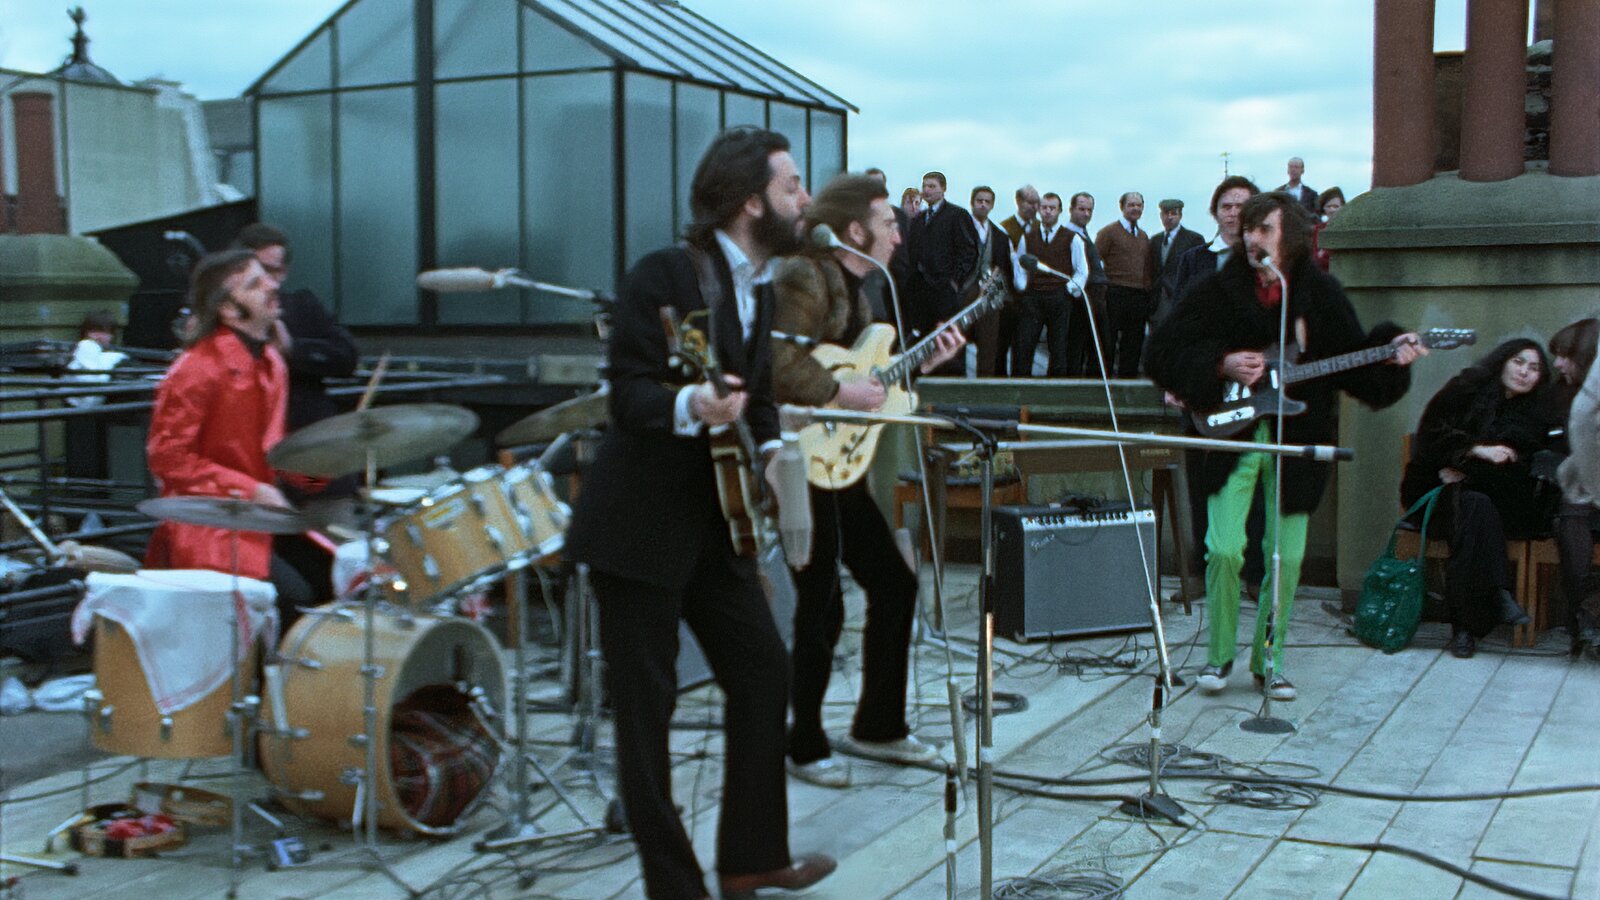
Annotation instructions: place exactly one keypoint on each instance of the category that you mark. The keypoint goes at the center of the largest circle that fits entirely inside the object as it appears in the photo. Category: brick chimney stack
(39, 209)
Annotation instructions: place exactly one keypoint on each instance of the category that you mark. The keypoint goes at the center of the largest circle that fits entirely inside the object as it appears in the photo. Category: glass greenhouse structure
(556, 136)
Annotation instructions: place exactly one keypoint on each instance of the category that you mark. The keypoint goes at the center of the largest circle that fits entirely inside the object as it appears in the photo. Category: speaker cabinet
(1061, 574)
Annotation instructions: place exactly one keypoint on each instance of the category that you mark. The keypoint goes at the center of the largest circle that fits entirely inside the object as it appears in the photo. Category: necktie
(1166, 246)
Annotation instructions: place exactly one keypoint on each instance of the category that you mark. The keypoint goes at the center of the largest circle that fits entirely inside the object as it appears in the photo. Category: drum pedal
(286, 853)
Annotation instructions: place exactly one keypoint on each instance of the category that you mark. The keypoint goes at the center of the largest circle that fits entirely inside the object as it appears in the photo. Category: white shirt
(1080, 260)
(1220, 246)
(1131, 227)
(746, 278)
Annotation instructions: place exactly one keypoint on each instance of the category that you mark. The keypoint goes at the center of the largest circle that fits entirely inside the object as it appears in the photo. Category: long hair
(208, 289)
(1228, 184)
(1577, 343)
(1483, 377)
(1295, 226)
(847, 198)
(735, 167)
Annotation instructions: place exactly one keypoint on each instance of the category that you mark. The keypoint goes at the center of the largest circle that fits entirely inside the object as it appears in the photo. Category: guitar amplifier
(1059, 573)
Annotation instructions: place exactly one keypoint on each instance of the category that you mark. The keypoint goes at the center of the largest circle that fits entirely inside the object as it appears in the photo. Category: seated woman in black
(1577, 522)
(1477, 436)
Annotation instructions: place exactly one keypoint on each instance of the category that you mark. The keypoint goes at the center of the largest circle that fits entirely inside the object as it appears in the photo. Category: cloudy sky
(1068, 94)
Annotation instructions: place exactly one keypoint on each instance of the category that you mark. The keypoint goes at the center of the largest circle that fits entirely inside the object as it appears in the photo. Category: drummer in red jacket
(219, 409)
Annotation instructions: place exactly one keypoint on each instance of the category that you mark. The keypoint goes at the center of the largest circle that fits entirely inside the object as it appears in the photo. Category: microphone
(794, 494)
(822, 236)
(1035, 266)
(461, 281)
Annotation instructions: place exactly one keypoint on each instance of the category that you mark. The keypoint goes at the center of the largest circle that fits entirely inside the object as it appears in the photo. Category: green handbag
(1393, 590)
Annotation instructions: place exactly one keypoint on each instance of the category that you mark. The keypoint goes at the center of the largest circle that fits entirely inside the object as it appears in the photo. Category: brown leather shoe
(801, 874)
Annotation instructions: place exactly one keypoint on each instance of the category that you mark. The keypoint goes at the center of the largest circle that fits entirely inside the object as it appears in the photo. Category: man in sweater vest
(1125, 251)
(1045, 306)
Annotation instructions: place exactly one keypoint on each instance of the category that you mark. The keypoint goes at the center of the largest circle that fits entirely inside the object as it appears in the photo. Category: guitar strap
(710, 291)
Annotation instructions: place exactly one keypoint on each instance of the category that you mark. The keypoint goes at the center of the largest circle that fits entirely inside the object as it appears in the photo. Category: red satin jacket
(217, 412)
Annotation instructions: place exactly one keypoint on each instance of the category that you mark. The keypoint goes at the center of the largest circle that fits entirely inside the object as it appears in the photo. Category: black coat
(1194, 266)
(649, 499)
(999, 255)
(1222, 315)
(941, 254)
(319, 348)
(1456, 419)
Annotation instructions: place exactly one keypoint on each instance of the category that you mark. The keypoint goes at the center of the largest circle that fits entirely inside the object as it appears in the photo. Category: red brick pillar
(38, 201)
(1403, 138)
(1575, 89)
(1493, 114)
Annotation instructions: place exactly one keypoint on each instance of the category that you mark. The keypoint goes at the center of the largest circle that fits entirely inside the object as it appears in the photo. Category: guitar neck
(896, 371)
(1355, 359)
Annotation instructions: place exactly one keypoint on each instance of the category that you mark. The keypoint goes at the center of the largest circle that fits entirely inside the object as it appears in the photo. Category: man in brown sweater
(1125, 251)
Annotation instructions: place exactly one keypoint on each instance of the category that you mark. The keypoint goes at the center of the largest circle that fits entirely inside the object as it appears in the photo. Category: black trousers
(729, 616)
(1041, 312)
(1128, 310)
(1576, 536)
(1477, 570)
(1081, 359)
(294, 591)
(995, 335)
(848, 527)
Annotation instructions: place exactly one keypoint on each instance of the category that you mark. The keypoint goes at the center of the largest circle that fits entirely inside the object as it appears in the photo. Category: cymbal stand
(241, 712)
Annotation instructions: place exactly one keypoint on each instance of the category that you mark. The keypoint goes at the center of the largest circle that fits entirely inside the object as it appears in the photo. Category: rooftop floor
(1418, 722)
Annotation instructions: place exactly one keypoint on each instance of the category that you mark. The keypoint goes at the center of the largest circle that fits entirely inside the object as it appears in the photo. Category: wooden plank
(1208, 867)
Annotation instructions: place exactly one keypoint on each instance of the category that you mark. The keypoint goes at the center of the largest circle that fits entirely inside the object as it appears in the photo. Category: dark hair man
(1199, 262)
(994, 334)
(899, 261)
(1124, 250)
(1219, 334)
(1166, 252)
(1043, 306)
(219, 408)
(821, 294)
(1080, 359)
(649, 527)
(940, 254)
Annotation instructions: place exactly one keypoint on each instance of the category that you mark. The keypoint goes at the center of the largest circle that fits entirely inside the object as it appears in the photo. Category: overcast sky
(1067, 94)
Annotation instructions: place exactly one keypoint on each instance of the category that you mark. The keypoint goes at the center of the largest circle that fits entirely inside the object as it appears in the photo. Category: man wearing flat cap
(1166, 249)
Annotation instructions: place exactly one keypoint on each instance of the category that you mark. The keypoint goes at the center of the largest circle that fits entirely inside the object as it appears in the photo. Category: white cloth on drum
(178, 620)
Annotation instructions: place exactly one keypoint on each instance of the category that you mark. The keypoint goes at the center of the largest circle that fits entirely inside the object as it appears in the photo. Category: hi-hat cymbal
(226, 512)
(393, 435)
(587, 411)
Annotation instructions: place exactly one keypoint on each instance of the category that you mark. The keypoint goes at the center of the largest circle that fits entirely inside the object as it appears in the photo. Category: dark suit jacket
(1197, 264)
(1166, 274)
(649, 500)
(1307, 196)
(320, 348)
(999, 256)
(941, 254)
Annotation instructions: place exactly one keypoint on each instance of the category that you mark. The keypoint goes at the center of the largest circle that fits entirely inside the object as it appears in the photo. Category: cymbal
(587, 411)
(226, 512)
(392, 434)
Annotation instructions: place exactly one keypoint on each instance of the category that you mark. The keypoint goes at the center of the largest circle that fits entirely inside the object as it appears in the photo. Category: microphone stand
(935, 552)
(1155, 803)
(986, 447)
(1265, 722)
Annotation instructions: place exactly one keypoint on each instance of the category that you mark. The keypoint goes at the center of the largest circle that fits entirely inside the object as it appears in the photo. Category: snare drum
(127, 720)
(436, 755)
(540, 513)
(455, 537)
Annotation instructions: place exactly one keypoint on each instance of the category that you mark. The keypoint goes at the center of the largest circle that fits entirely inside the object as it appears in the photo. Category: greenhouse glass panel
(790, 121)
(297, 183)
(648, 167)
(569, 220)
(743, 109)
(546, 46)
(377, 43)
(309, 70)
(474, 37)
(476, 193)
(698, 112)
(378, 207)
(827, 147)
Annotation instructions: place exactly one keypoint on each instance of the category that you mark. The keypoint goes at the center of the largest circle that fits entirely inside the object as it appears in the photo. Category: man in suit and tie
(649, 526)
(942, 254)
(1166, 251)
(992, 334)
(1081, 360)
(1125, 251)
(1302, 194)
(1044, 306)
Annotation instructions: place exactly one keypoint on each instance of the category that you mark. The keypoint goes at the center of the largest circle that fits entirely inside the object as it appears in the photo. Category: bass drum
(436, 754)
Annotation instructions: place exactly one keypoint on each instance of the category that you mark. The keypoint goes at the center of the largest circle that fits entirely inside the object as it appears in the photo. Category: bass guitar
(1242, 405)
(838, 455)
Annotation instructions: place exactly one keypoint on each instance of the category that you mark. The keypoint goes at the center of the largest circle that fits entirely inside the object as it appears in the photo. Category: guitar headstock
(1448, 338)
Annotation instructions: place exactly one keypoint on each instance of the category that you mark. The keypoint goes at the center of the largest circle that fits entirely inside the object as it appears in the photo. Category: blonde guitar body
(838, 455)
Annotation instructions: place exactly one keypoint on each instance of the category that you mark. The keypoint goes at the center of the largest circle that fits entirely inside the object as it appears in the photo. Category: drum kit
(382, 708)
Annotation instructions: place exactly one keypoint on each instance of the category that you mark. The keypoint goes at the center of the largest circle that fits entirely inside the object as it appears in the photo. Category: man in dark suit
(1166, 251)
(941, 254)
(1304, 195)
(649, 527)
(993, 334)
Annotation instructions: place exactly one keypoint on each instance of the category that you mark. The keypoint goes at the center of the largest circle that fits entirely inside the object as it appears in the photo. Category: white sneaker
(1214, 678)
(905, 750)
(825, 772)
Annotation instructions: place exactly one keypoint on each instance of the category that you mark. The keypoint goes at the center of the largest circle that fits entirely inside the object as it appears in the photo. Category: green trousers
(1226, 511)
